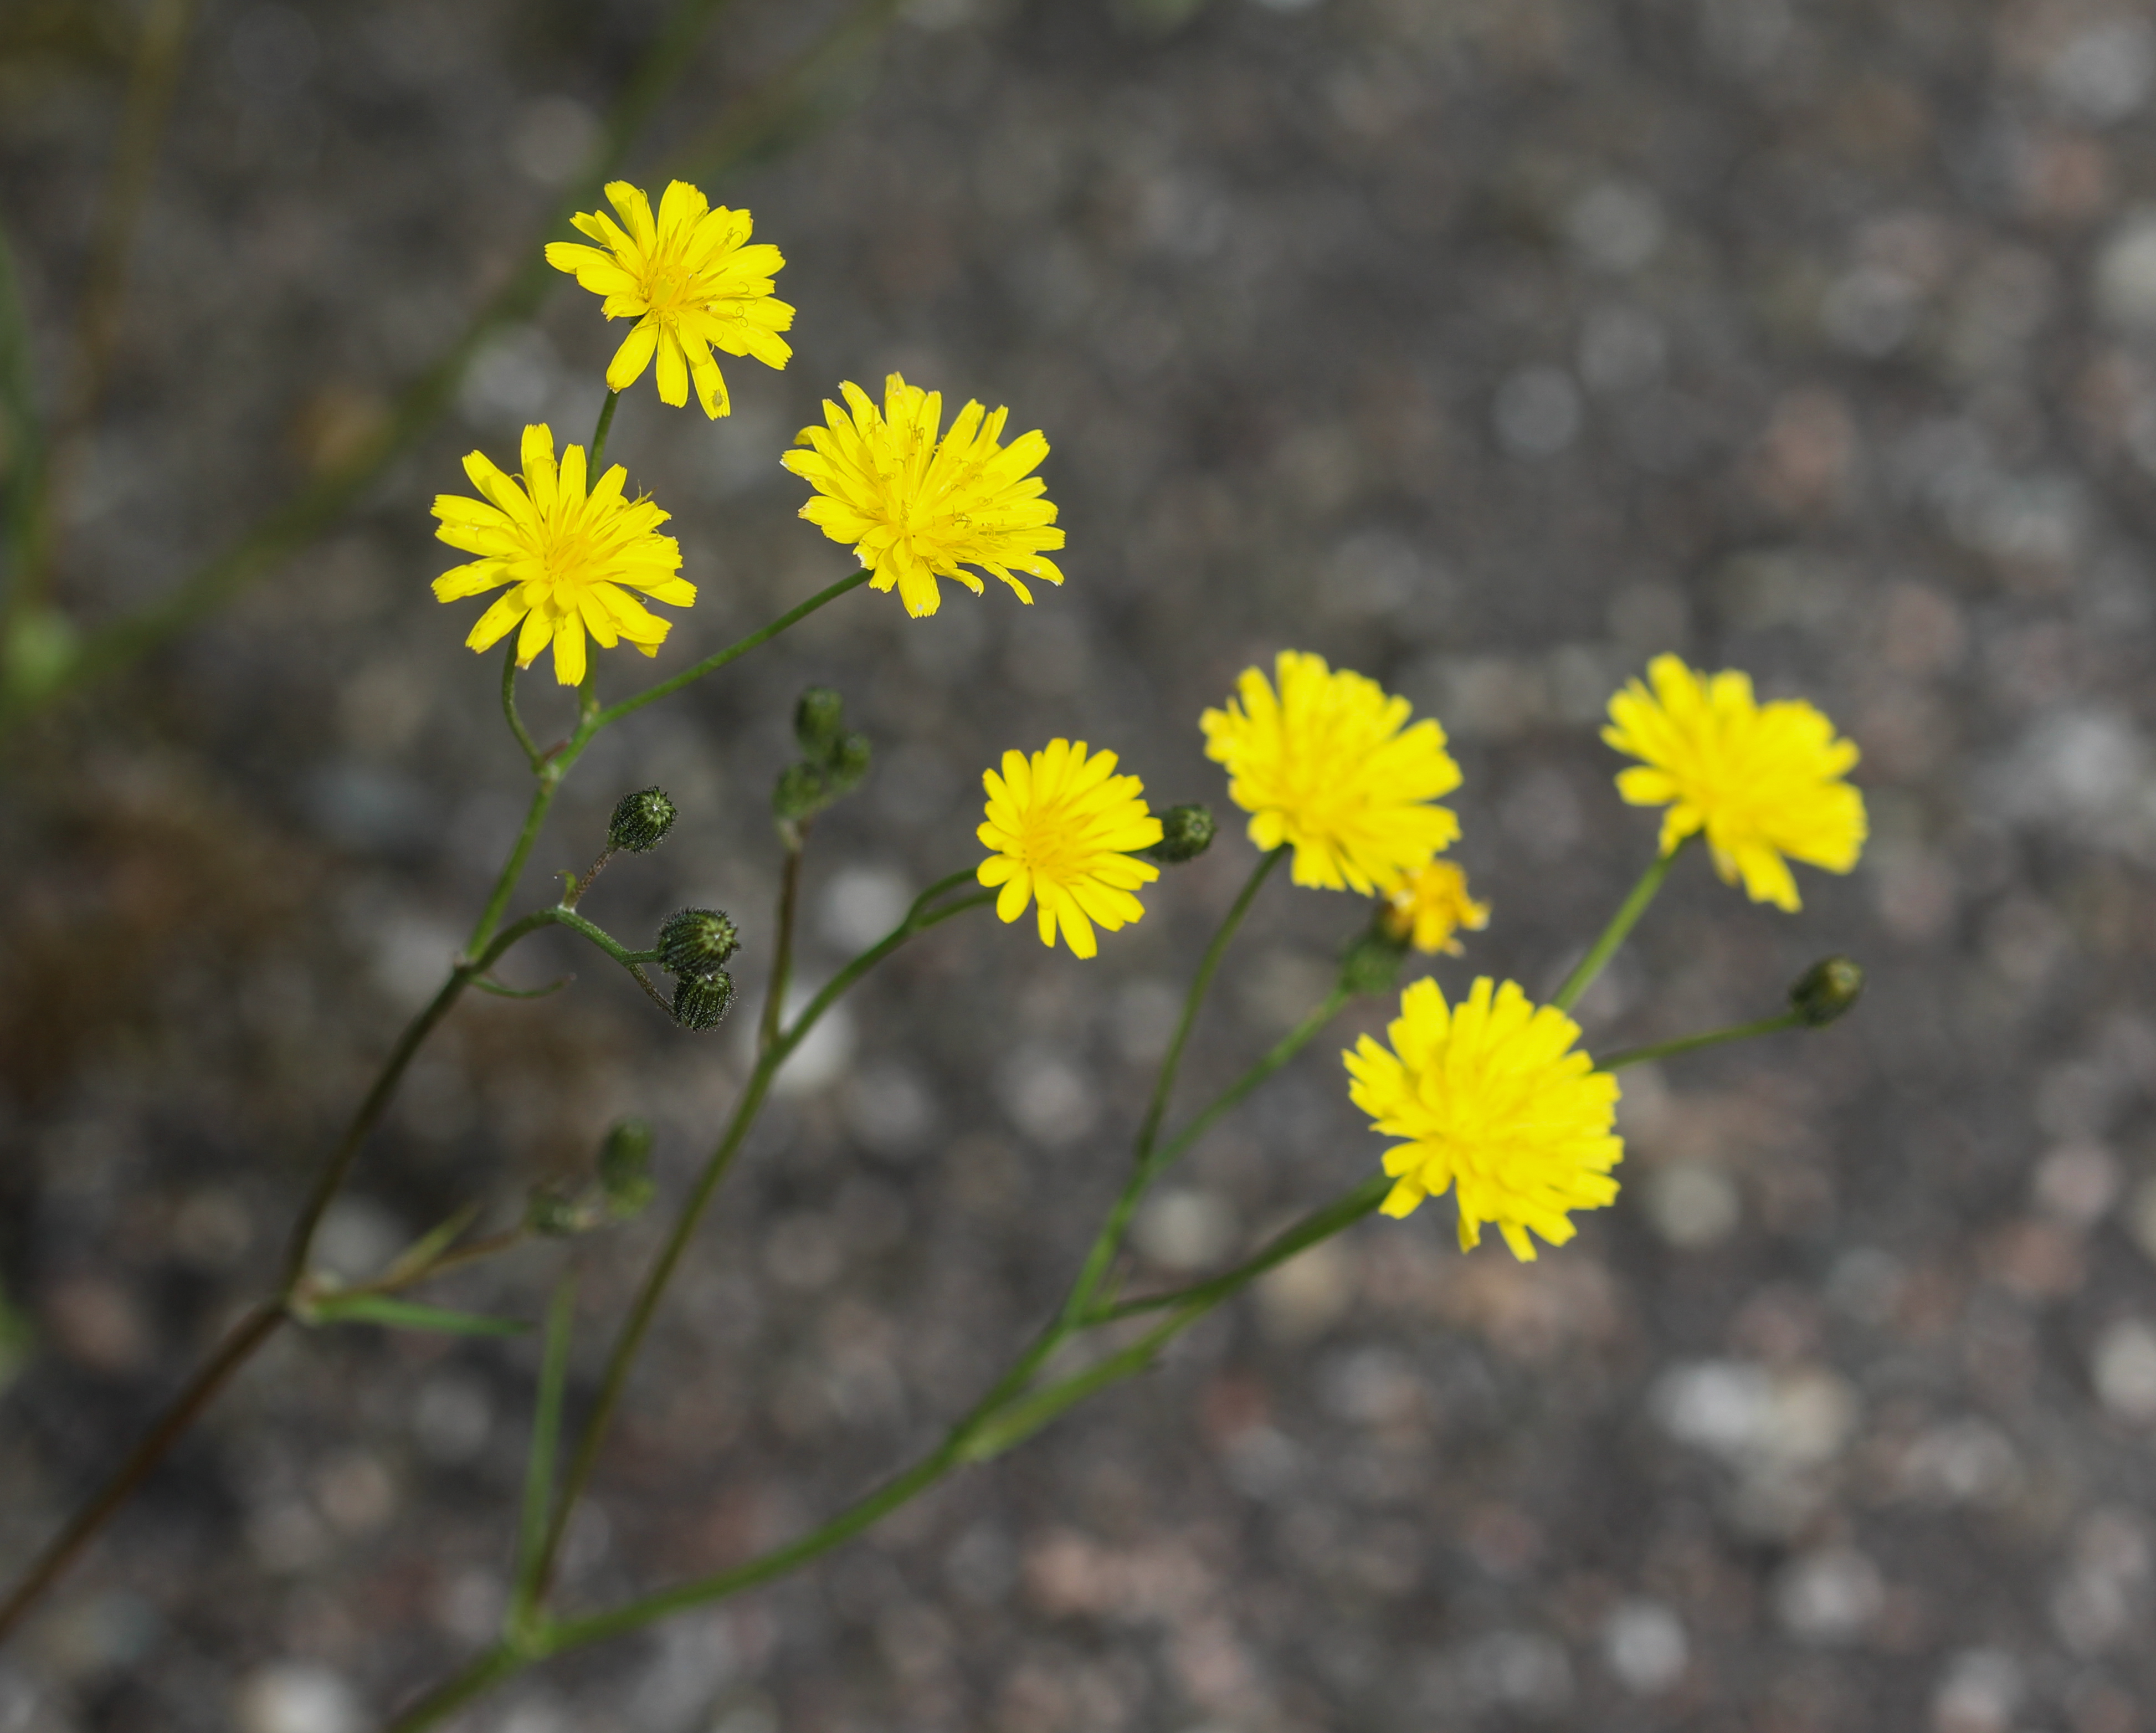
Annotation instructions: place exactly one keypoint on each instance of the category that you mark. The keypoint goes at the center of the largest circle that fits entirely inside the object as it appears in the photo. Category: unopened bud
(1372, 962)
(816, 720)
(1827, 991)
(800, 794)
(702, 1001)
(640, 821)
(849, 763)
(556, 1215)
(695, 941)
(1186, 832)
(625, 1168)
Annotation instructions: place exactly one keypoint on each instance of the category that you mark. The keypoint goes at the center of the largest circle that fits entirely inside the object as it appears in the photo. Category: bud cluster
(693, 945)
(833, 761)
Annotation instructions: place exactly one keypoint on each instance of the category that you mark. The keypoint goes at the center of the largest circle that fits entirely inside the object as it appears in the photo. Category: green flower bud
(816, 721)
(1371, 964)
(801, 794)
(695, 941)
(702, 1001)
(1827, 991)
(625, 1155)
(849, 763)
(640, 821)
(1186, 832)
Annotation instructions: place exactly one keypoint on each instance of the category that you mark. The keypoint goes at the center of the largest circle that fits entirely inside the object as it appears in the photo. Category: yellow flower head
(1763, 780)
(1063, 826)
(690, 284)
(570, 557)
(1327, 763)
(1433, 905)
(916, 508)
(1492, 1102)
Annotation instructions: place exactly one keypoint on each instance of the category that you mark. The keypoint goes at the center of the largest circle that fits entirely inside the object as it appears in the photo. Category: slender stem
(1283, 1050)
(1322, 1224)
(533, 755)
(599, 435)
(501, 1662)
(539, 1469)
(1711, 1037)
(1612, 935)
(781, 950)
(239, 1343)
(512, 869)
(22, 497)
(630, 1338)
(712, 664)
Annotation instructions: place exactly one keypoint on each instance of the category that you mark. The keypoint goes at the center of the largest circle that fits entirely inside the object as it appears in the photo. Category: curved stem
(1620, 924)
(1710, 1038)
(533, 755)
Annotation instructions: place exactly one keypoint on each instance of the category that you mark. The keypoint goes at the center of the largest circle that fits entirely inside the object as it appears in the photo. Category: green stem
(660, 1275)
(781, 950)
(539, 1470)
(1232, 1096)
(599, 435)
(532, 756)
(25, 447)
(712, 664)
(1343, 1213)
(1713, 1038)
(512, 869)
(1612, 935)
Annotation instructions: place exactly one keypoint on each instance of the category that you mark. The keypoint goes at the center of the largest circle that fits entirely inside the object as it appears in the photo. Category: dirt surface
(1486, 347)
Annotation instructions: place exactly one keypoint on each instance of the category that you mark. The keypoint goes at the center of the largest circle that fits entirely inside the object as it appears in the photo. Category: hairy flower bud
(640, 821)
(1371, 964)
(816, 720)
(694, 942)
(625, 1168)
(1186, 832)
(702, 1001)
(1827, 991)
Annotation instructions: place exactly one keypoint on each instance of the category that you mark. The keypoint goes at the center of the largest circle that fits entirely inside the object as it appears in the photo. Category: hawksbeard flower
(1495, 1106)
(1763, 781)
(1063, 828)
(1432, 907)
(916, 508)
(569, 557)
(689, 281)
(1327, 762)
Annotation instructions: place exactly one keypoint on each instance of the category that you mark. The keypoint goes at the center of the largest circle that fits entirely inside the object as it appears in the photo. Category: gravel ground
(1486, 347)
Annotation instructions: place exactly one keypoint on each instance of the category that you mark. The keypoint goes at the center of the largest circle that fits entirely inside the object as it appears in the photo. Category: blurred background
(1487, 348)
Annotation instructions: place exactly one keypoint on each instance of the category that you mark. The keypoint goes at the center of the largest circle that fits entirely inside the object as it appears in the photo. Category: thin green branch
(1289, 1044)
(1620, 924)
(23, 454)
(594, 462)
(539, 1468)
(1710, 1038)
(782, 948)
(532, 756)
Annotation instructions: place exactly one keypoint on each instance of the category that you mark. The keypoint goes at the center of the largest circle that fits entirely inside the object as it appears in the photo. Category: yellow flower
(1762, 781)
(1063, 826)
(566, 554)
(1325, 764)
(1434, 905)
(917, 509)
(688, 281)
(1494, 1104)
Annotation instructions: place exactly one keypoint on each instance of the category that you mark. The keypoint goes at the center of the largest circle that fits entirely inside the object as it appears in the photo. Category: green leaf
(410, 1315)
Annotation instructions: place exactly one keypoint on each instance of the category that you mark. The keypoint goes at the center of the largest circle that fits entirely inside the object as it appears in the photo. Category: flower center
(1052, 847)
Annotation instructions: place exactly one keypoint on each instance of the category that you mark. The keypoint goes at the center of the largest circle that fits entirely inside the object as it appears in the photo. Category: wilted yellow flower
(1328, 764)
(570, 557)
(688, 281)
(916, 508)
(1762, 781)
(1494, 1104)
(1433, 905)
(1063, 827)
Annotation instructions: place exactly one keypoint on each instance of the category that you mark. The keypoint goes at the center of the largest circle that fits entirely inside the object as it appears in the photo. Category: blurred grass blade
(410, 1315)
(754, 121)
(421, 1255)
(545, 1442)
(22, 434)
